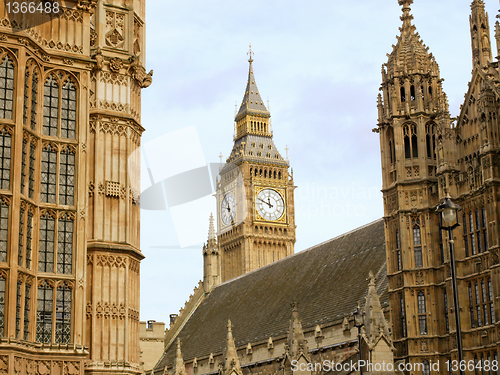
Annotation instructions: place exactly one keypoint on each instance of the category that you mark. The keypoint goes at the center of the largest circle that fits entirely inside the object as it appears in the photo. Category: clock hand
(269, 200)
(265, 202)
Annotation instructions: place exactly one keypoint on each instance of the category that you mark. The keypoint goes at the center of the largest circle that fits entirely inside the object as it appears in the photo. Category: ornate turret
(375, 322)
(480, 35)
(211, 260)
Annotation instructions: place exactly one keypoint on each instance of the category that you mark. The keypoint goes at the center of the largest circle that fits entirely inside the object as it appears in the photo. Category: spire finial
(250, 52)
(406, 17)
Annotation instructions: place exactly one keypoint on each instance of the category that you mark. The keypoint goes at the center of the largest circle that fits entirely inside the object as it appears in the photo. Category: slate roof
(252, 102)
(326, 280)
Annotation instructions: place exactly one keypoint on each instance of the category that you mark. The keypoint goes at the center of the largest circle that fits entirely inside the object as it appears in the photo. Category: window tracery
(59, 106)
(6, 88)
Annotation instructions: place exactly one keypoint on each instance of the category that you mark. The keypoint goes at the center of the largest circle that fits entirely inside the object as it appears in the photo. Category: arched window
(59, 107)
(446, 318)
(426, 369)
(398, 252)
(406, 135)
(392, 150)
(7, 88)
(2, 304)
(412, 92)
(30, 95)
(422, 317)
(414, 141)
(5, 158)
(402, 315)
(4, 231)
(403, 94)
(44, 313)
(63, 314)
(430, 140)
(417, 243)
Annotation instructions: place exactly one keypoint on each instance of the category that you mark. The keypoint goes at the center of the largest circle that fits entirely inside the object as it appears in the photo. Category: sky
(318, 64)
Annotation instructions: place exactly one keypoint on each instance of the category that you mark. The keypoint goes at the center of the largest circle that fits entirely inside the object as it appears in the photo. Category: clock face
(228, 208)
(270, 204)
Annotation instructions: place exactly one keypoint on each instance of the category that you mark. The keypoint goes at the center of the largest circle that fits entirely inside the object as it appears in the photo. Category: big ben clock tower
(255, 211)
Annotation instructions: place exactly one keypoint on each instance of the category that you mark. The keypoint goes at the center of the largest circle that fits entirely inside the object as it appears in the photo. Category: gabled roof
(327, 281)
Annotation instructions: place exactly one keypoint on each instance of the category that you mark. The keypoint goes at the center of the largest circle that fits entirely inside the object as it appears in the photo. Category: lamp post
(448, 210)
(359, 321)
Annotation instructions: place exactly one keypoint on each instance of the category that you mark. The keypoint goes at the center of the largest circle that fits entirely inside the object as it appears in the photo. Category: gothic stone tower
(412, 113)
(69, 222)
(256, 224)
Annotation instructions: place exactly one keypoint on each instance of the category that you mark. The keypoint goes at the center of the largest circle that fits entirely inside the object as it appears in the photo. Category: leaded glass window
(2, 305)
(50, 106)
(422, 318)
(27, 298)
(417, 242)
(44, 313)
(29, 239)
(68, 110)
(67, 177)
(64, 245)
(18, 308)
(21, 238)
(31, 184)
(63, 314)
(5, 148)
(46, 243)
(403, 316)
(23, 165)
(48, 175)
(34, 99)
(4, 230)
(446, 317)
(6, 88)
(26, 96)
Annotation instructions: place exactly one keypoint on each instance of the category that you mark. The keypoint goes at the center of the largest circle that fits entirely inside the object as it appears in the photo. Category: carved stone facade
(69, 221)
(427, 155)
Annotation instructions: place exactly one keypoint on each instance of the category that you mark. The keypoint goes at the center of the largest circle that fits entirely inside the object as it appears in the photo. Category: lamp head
(448, 209)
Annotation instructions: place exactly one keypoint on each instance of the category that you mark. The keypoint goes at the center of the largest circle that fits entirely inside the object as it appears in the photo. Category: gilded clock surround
(282, 193)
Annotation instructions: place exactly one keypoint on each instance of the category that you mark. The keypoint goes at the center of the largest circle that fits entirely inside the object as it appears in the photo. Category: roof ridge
(300, 252)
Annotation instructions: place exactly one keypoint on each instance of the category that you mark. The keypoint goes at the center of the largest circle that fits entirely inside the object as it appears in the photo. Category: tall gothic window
(44, 313)
(63, 314)
(492, 308)
(59, 107)
(27, 299)
(398, 251)
(2, 304)
(471, 307)
(5, 149)
(46, 243)
(50, 230)
(430, 140)
(466, 238)
(402, 315)
(30, 95)
(446, 317)
(25, 245)
(410, 141)
(67, 178)
(6, 88)
(484, 228)
(426, 369)
(23, 164)
(472, 234)
(56, 172)
(422, 317)
(65, 245)
(48, 175)
(417, 243)
(18, 308)
(392, 149)
(4, 230)
(31, 174)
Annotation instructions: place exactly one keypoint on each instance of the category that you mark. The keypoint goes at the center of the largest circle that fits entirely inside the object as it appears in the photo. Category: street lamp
(448, 210)
(359, 321)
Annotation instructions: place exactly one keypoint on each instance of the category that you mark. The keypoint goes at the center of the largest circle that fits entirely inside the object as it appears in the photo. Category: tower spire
(211, 229)
(253, 116)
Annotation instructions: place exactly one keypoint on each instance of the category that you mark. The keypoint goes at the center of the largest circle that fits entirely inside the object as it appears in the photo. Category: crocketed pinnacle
(410, 53)
(232, 362)
(211, 229)
(252, 102)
